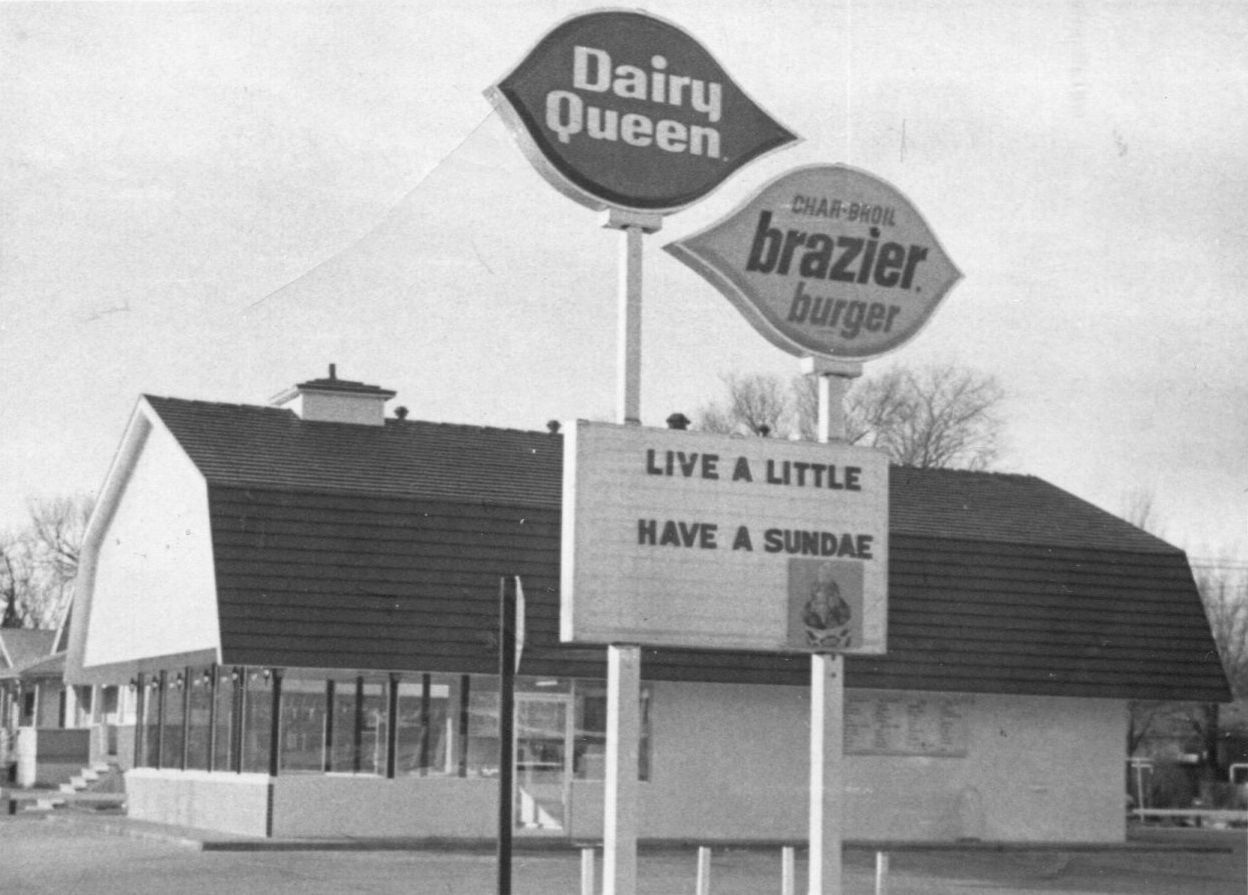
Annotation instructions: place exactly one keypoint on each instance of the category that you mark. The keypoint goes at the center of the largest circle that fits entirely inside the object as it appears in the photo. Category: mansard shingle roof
(381, 547)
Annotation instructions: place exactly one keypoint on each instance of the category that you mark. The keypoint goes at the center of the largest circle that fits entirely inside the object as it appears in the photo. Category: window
(199, 719)
(172, 736)
(110, 704)
(223, 744)
(357, 725)
(427, 712)
(257, 719)
(589, 747)
(83, 701)
(303, 723)
(150, 723)
(481, 749)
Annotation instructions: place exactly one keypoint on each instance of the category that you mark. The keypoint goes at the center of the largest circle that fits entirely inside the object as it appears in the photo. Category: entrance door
(543, 763)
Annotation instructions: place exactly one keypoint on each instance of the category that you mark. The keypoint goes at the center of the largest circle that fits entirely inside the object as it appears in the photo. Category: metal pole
(703, 884)
(628, 358)
(823, 872)
(881, 873)
(788, 871)
(214, 680)
(587, 871)
(827, 679)
(619, 828)
(834, 378)
(506, 729)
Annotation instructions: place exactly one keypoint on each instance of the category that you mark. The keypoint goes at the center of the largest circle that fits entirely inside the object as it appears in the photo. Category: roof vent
(334, 400)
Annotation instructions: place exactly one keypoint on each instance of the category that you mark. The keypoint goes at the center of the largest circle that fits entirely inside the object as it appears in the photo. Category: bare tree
(38, 563)
(1139, 507)
(1224, 594)
(1224, 590)
(15, 582)
(938, 416)
(757, 404)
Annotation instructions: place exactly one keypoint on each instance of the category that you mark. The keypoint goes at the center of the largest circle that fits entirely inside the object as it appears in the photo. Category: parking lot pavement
(69, 853)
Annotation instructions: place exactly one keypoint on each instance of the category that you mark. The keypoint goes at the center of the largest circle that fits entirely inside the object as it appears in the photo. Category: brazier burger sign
(826, 260)
(622, 109)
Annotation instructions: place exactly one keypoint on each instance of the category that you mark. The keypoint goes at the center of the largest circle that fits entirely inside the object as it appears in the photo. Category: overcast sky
(217, 201)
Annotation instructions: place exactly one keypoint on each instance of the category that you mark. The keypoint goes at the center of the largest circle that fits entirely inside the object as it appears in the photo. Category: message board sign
(688, 539)
(826, 261)
(622, 109)
(907, 724)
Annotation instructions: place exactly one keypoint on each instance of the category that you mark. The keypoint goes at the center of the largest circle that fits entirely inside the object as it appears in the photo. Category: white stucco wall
(153, 591)
(731, 762)
(315, 805)
(229, 803)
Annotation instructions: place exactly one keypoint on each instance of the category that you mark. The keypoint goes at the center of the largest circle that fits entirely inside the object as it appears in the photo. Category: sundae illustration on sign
(622, 109)
(826, 261)
(825, 605)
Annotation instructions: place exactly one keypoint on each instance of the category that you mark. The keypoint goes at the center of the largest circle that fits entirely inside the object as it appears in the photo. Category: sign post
(506, 729)
(619, 832)
(836, 266)
(827, 732)
(827, 678)
(625, 112)
(632, 226)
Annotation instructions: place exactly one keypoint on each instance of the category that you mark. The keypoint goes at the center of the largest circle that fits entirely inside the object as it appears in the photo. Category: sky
(216, 201)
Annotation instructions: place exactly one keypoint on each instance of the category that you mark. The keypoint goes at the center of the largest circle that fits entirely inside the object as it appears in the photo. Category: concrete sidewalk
(118, 857)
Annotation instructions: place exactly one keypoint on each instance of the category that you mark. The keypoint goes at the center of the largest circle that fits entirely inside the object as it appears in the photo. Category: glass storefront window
(303, 723)
(425, 725)
(223, 742)
(589, 747)
(149, 734)
(199, 720)
(172, 739)
(257, 719)
(481, 749)
(373, 718)
(446, 724)
(357, 726)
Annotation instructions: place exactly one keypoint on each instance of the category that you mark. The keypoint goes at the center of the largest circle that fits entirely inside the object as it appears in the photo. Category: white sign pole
(827, 677)
(619, 826)
(633, 226)
(827, 697)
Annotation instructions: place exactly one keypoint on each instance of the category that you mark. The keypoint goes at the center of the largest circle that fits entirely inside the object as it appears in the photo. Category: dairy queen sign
(619, 109)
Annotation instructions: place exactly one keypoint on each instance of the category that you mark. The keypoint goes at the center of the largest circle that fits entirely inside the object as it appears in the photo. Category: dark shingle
(381, 547)
(239, 445)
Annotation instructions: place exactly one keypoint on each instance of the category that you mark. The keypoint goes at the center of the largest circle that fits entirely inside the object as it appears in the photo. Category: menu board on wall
(905, 724)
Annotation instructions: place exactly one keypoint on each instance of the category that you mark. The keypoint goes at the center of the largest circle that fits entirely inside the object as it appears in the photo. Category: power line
(381, 220)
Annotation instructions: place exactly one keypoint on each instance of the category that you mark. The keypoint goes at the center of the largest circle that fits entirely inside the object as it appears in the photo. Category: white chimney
(334, 400)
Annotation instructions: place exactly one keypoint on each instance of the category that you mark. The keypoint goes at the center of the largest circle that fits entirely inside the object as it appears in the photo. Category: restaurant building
(300, 601)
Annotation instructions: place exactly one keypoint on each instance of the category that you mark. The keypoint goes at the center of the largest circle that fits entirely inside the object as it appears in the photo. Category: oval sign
(622, 109)
(826, 261)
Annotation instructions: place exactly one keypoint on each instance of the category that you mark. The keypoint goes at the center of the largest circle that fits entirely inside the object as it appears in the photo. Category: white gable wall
(154, 590)
(731, 763)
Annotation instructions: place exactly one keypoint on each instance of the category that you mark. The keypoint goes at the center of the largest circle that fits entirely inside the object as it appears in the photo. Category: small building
(302, 600)
(24, 703)
(75, 727)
